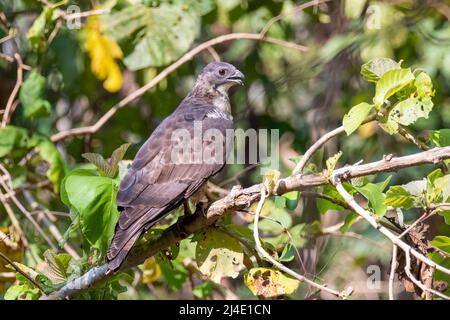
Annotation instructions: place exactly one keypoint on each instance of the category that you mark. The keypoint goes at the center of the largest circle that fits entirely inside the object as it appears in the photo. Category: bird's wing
(155, 184)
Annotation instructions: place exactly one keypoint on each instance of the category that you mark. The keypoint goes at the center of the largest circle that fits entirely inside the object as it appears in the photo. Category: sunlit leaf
(269, 282)
(391, 82)
(355, 117)
(94, 199)
(375, 68)
(399, 197)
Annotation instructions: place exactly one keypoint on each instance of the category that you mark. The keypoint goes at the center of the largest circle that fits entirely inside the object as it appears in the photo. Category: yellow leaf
(103, 52)
(151, 271)
(269, 282)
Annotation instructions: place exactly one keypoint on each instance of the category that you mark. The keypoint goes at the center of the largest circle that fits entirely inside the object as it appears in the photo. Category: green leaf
(94, 199)
(22, 292)
(288, 253)
(169, 32)
(32, 97)
(440, 138)
(442, 242)
(325, 205)
(299, 236)
(399, 197)
(291, 199)
(280, 202)
(36, 34)
(218, 255)
(350, 219)
(174, 273)
(375, 196)
(375, 68)
(356, 116)
(269, 282)
(204, 290)
(50, 154)
(391, 82)
(11, 138)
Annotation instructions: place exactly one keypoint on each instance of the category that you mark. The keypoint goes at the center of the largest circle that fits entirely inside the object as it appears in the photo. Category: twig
(8, 260)
(392, 273)
(12, 217)
(85, 14)
(425, 216)
(337, 176)
(9, 105)
(408, 136)
(214, 54)
(373, 222)
(237, 175)
(163, 74)
(417, 282)
(318, 144)
(51, 227)
(299, 8)
(277, 264)
(326, 197)
(7, 241)
(26, 213)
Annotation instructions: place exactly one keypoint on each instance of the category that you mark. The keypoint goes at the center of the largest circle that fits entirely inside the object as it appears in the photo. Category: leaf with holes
(270, 282)
(218, 255)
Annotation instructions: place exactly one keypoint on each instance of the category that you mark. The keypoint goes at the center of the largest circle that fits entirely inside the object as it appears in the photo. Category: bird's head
(221, 76)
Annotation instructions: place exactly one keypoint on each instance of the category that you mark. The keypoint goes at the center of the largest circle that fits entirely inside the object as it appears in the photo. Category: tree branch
(238, 199)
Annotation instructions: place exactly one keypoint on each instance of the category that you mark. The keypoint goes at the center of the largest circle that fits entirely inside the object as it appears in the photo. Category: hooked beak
(237, 77)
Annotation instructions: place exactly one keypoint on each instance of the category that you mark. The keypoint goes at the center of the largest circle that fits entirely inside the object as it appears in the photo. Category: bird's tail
(127, 232)
(115, 255)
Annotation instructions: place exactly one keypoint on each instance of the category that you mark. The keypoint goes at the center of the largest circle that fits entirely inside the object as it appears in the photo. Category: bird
(156, 184)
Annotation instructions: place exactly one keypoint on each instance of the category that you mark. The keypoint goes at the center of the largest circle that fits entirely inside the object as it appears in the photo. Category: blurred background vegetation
(84, 67)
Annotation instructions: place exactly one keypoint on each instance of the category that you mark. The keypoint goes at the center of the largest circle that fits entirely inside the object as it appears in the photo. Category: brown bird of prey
(157, 182)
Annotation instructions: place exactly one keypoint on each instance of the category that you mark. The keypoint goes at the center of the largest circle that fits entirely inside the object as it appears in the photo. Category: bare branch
(392, 273)
(9, 109)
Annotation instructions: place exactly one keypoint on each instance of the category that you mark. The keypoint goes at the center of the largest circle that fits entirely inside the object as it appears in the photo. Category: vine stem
(279, 265)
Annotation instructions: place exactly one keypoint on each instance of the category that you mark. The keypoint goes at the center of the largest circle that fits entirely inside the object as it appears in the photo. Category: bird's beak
(237, 77)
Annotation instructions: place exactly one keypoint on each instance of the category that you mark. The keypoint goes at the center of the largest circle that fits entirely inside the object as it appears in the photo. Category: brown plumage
(156, 184)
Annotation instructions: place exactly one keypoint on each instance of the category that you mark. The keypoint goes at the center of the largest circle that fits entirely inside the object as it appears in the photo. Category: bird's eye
(222, 72)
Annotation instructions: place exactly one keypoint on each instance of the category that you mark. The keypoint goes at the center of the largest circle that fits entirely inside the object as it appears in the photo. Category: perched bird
(155, 183)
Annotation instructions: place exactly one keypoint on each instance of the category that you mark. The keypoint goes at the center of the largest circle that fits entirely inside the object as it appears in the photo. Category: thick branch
(238, 199)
